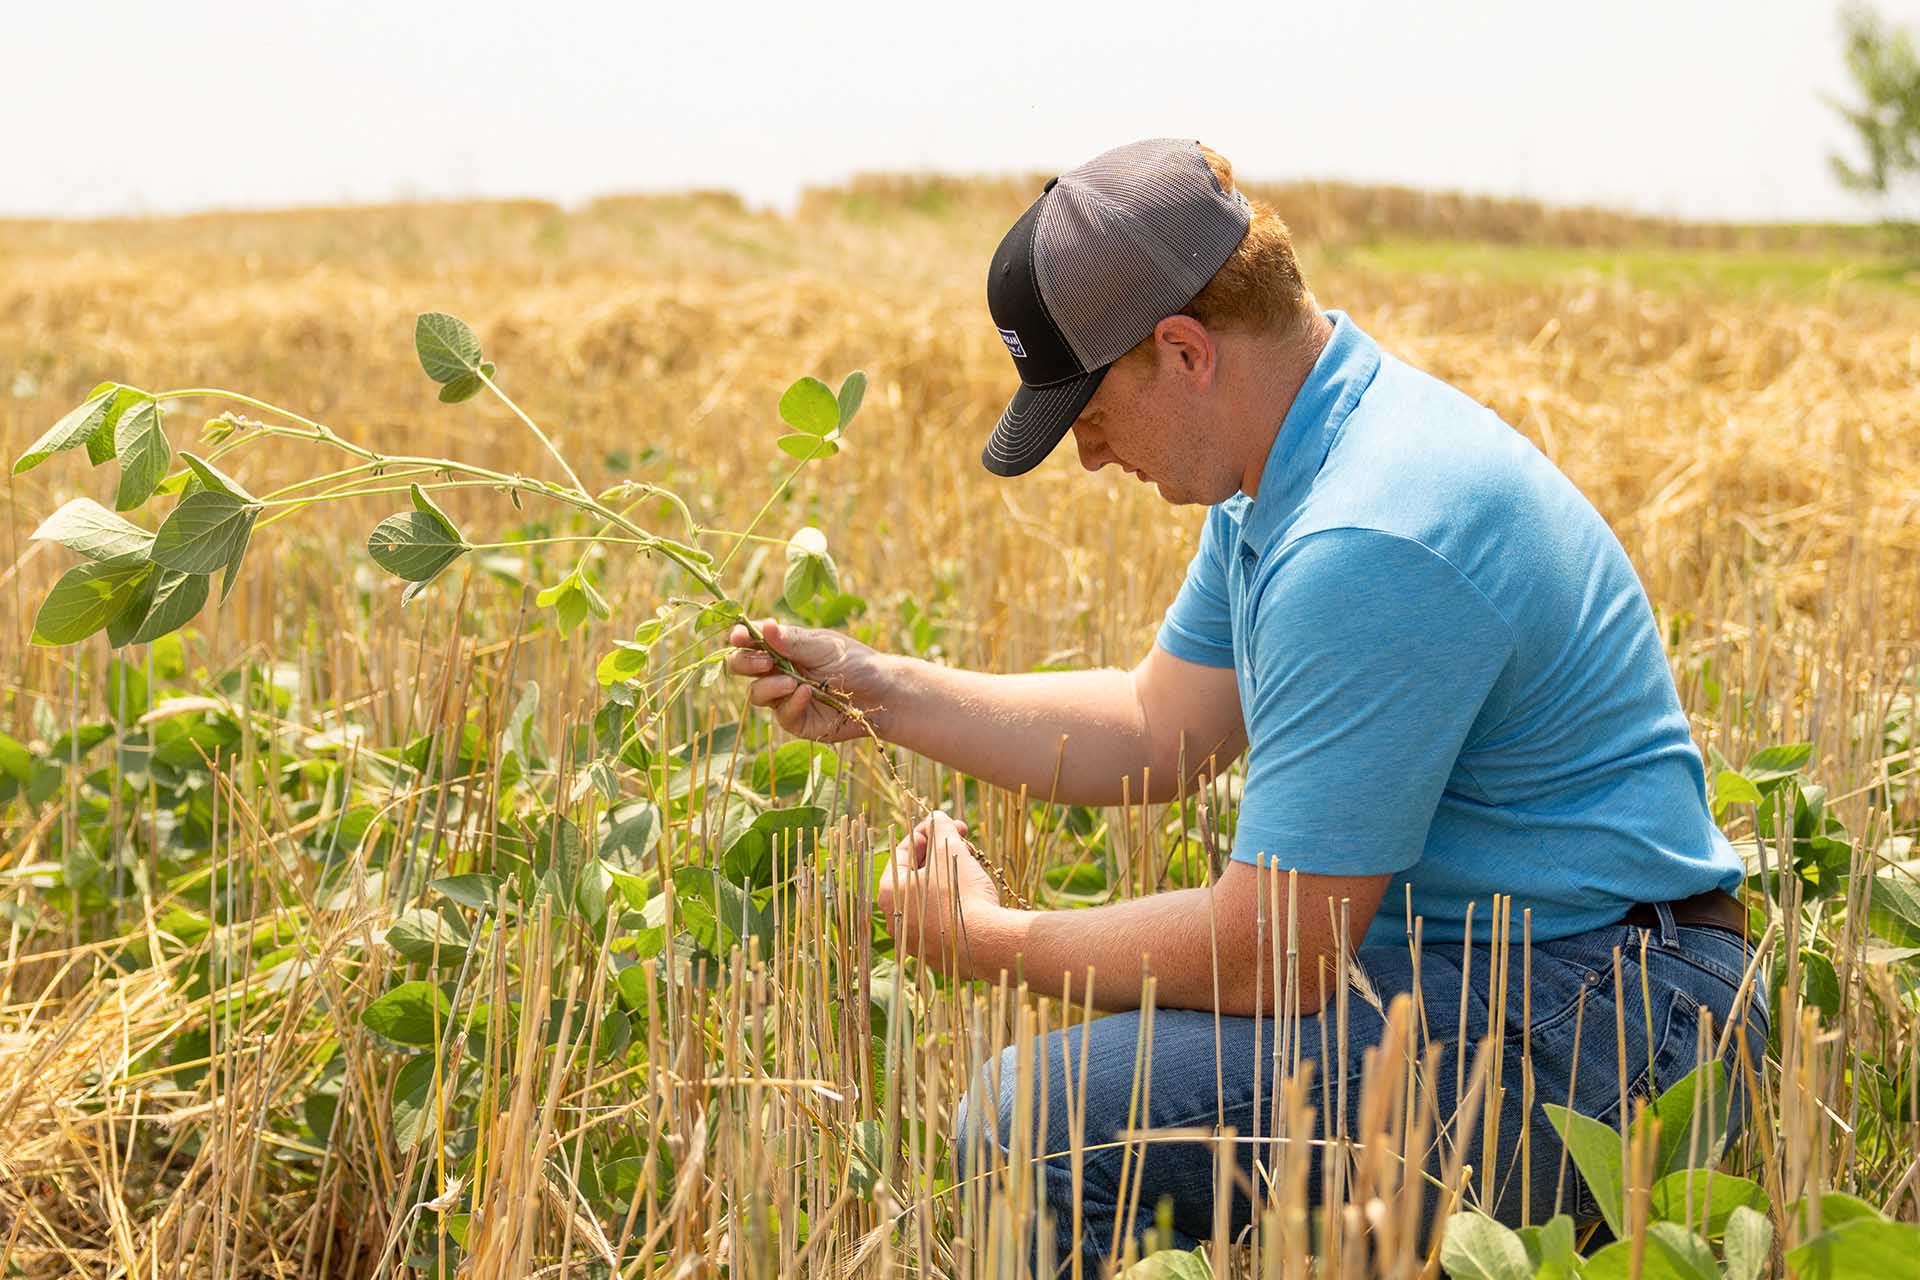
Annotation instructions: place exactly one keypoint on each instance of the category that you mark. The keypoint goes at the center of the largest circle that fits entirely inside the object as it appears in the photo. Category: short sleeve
(1370, 658)
(1198, 625)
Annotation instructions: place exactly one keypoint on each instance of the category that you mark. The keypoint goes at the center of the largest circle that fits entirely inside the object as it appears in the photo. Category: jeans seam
(1213, 1114)
(1586, 1203)
(1712, 967)
(1712, 970)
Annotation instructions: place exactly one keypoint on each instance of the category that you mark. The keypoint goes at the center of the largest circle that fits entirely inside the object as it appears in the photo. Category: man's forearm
(1022, 730)
(1212, 948)
(1178, 937)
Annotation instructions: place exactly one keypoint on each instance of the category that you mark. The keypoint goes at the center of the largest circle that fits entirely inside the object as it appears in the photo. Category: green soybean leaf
(1596, 1153)
(1861, 1247)
(834, 610)
(750, 850)
(1730, 788)
(1615, 1262)
(810, 407)
(214, 478)
(417, 931)
(1550, 1249)
(648, 942)
(235, 554)
(718, 616)
(868, 1157)
(1894, 912)
(408, 1014)
(177, 597)
(144, 453)
(1686, 1253)
(559, 852)
(569, 604)
(614, 1036)
(631, 832)
(413, 1102)
(80, 425)
(1819, 983)
(1476, 1247)
(632, 889)
(207, 531)
(789, 769)
(573, 599)
(625, 661)
(810, 570)
(16, 761)
(476, 890)
(467, 385)
(1836, 1207)
(424, 502)
(446, 346)
(1715, 1196)
(806, 447)
(1675, 1108)
(1079, 879)
(415, 545)
(852, 391)
(76, 743)
(88, 597)
(1749, 1240)
(590, 893)
(1770, 764)
(596, 603)
(85, 526)
(717, 914)
(600, 775)
(123, 626)
(1168, 1264)
(632, 984)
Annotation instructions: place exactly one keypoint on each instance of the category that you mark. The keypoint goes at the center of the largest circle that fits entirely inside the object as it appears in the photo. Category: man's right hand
(838, 661)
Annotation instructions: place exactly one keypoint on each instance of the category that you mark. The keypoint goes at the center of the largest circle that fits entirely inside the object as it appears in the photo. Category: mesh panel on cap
(1129, 238)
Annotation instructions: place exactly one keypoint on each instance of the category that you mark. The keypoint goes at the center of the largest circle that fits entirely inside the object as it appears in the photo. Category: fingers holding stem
(759, 651)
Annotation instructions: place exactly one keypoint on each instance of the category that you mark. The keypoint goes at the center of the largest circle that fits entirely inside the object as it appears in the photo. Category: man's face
(1150, 422)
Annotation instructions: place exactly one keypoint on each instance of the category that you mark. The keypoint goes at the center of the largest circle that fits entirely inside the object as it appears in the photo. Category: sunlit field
(486, 937)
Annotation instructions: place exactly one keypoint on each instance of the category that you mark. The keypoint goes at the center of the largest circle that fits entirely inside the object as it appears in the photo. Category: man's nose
(1093, 450)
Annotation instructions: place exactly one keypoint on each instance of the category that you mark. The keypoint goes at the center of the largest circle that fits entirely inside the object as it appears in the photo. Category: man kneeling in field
(1443, 669)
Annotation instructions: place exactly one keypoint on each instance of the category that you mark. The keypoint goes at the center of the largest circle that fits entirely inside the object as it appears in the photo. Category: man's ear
(1188, 346)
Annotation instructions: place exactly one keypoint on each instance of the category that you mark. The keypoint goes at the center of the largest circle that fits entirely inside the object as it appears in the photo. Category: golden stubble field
(1756, 450)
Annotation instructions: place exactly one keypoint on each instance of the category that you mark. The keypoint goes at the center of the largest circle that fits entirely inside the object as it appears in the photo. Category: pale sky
(1678, 107)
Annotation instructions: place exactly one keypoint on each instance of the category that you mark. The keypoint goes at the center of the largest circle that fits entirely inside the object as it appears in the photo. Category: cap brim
(1036, 420)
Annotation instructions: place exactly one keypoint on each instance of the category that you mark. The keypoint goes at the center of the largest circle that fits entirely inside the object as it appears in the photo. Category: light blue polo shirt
(1447, 666)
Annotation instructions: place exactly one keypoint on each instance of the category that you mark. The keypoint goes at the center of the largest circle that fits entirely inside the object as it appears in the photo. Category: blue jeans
(1687, 970)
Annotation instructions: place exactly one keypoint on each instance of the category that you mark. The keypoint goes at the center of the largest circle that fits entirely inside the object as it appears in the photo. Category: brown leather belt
(1714, 909)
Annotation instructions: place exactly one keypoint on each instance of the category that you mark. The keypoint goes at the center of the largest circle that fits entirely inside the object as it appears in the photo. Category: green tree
(1885, 70)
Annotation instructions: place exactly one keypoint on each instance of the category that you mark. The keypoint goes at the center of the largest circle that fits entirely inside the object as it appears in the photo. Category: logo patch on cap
(1012, 340)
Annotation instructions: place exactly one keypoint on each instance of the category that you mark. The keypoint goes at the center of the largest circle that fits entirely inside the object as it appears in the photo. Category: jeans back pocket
(1598, 1093)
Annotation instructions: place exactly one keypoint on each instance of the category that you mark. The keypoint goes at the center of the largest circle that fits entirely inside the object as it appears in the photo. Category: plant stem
(218, 393)
(643, 491)
(576, 497)
(760, 515)
(344, 491)
(543, 542)
(535, 428)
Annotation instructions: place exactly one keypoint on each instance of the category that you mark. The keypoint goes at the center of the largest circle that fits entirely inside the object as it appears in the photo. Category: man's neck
(1271, 373)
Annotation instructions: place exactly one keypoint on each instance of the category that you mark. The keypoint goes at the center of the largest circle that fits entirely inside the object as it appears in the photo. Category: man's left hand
(934, 891)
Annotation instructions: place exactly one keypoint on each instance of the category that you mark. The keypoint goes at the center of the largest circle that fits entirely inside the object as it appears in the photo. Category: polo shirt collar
(1344, 369)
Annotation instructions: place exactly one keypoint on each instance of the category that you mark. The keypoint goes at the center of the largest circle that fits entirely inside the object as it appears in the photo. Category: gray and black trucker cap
(1108, 251)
